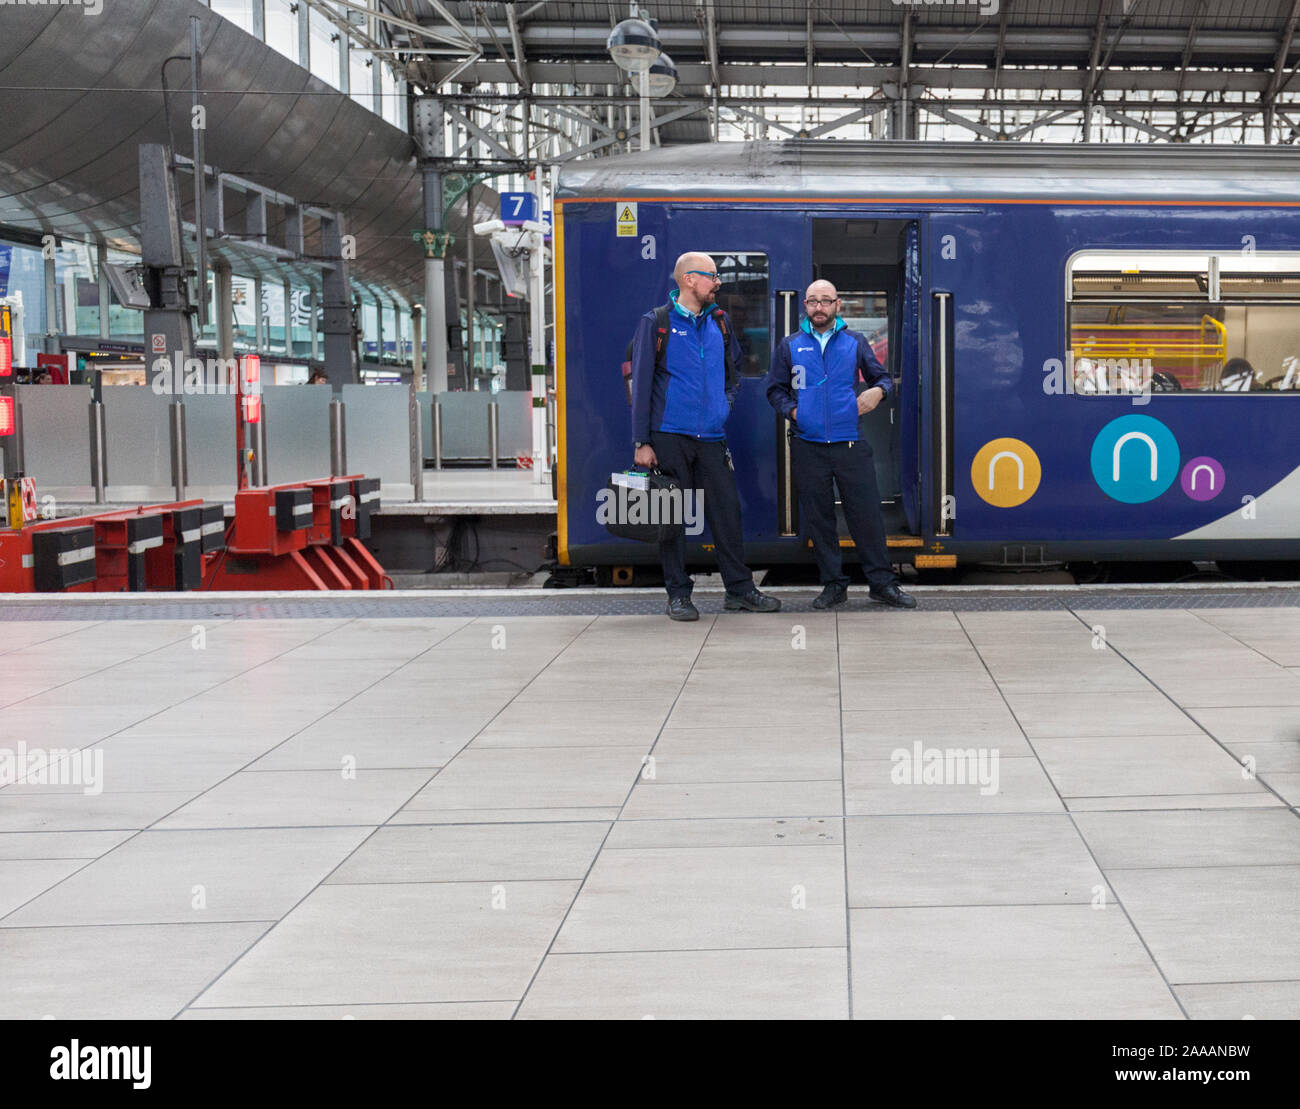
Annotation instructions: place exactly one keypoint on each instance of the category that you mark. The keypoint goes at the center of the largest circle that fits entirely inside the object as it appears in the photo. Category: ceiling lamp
(663, 76)
(633, 45)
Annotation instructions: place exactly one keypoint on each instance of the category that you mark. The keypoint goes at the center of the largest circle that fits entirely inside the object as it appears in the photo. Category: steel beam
(842, 75)
(936, 109)
(1279, 69)
(517, 44)
(478, 132)
(1146, 128)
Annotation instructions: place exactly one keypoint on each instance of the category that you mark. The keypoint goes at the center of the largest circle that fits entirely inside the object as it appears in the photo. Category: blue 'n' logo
(1134, 459)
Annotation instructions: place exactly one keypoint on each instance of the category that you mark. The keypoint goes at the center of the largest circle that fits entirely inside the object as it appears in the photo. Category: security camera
(488, 227)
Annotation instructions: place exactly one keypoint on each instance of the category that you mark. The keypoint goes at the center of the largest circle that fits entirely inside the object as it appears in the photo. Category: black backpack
(661, 341)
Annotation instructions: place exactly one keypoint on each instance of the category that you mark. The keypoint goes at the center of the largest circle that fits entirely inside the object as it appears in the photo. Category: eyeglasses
(821, 302)
(711, 276)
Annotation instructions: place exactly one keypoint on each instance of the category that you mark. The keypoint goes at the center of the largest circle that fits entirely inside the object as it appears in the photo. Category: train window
(744, 297)
(1184, 323)
(869, 313)
(1260, 276)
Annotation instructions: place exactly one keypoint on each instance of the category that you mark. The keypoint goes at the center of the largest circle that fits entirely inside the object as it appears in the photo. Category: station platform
(446, 493)
(1058, 802)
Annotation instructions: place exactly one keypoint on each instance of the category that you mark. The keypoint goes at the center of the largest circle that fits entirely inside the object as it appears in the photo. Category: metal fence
(143, 440)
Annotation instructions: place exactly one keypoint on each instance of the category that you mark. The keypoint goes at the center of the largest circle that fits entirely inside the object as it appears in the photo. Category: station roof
(979, 44)
(75, 106)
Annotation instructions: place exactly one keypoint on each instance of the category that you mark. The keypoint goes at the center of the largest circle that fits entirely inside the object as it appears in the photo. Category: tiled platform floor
(617, 816)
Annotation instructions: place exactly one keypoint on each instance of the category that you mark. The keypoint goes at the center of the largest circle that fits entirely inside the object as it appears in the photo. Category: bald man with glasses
(823, 379)
(681, 399)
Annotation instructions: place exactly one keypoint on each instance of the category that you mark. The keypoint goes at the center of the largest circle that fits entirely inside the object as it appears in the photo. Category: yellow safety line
(561, 409)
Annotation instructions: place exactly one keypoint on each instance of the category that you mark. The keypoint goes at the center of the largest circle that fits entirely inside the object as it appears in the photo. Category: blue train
(1096, 351)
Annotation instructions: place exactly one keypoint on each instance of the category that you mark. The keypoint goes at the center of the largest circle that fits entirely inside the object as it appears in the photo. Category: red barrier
(298, 536)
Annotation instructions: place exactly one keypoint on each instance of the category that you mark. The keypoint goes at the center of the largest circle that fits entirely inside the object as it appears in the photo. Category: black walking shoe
(753, 601)
(680, 608)
(832, 596)
(891, 594)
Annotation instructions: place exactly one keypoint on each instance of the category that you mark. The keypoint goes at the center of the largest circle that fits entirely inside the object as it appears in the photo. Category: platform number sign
(518, 207)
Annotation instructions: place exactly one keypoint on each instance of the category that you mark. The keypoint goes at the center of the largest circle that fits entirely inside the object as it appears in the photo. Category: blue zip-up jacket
(828, 397)
(692, 393)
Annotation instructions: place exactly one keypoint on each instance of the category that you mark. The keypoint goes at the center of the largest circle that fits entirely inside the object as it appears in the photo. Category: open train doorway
(871, 263)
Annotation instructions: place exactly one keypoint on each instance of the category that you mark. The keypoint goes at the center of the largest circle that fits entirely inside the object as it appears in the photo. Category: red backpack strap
(661, 331)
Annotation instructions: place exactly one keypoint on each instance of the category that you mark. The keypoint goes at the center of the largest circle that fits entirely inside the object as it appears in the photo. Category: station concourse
(278, 831)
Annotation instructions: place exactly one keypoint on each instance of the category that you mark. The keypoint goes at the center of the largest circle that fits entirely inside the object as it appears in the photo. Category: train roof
(815, 169)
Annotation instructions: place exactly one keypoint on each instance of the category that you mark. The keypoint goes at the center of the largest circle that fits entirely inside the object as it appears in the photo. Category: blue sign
(518, 207)
(1134, 459)
(5, 254)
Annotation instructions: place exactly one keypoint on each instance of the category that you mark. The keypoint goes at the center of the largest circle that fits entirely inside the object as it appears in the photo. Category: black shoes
(753, 601)
(832, 596)
(892, 595)
(680, 608)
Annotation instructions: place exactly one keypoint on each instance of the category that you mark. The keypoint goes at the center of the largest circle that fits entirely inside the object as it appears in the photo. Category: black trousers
(852, 468)
(703, 466)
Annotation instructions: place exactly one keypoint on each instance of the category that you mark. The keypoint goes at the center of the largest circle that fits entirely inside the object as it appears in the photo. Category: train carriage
(1096, 351)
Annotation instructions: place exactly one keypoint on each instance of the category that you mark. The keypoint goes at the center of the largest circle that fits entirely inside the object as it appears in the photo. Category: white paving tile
(442, 1010)
(475, 853)
(300, 798)
(58, 845)
(24, 879)
(189, 877)
(1013, 859)
(806, 984)
(1063, 962)
(1216, 924)
(400, 943)
(1241, 1000)
(667, 899)
(142, 972)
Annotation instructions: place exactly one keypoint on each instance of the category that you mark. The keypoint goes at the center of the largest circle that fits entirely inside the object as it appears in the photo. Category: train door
(872, 264)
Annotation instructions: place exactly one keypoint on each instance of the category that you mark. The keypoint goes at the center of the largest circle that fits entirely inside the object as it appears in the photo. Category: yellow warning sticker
(625, 220)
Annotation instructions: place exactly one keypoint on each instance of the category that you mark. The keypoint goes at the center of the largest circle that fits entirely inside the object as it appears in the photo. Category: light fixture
(663, 76)
(633, 45)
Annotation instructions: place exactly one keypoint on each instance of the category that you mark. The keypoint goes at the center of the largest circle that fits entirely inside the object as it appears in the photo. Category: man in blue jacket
(682, 392)
(813, 382)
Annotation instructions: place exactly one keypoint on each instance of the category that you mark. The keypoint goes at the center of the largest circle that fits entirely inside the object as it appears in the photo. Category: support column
(225, 283)
(431, 134)
(645, 110)
(168, 313)
(51, 343)
(304, 37)
(469, 288)
(436, 241)
(417, 348)
(288, 320)
(537, 328)
(339, 367)
(259, 326)
(315, 331)
(101, 257)
(901, 117)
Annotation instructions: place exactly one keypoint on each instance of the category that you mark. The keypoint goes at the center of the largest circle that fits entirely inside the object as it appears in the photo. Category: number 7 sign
(518, 207)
